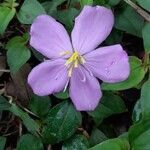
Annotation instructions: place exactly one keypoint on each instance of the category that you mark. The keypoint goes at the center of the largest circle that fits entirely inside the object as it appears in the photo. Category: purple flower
(77, 64)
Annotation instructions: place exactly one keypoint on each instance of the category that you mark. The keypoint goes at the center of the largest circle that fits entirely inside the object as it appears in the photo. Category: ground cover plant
(74, 74)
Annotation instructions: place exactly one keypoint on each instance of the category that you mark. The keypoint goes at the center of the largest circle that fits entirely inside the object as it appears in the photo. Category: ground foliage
(29, 122)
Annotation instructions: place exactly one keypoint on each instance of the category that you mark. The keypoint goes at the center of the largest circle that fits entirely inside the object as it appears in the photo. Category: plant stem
(143, 13)
(3, 70)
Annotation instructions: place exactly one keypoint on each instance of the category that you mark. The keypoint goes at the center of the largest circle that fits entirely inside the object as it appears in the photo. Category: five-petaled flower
(76, 63)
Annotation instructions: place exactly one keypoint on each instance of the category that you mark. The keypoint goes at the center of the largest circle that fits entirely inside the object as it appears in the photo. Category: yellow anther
(73, 58)
(73, 62)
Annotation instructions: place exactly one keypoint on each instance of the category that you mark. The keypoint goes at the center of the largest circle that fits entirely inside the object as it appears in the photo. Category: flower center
(73, 62)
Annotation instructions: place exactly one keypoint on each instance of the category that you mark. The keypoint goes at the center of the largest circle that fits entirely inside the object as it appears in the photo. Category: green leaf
(51, 7)
(62, 95)
(142, 107)
(67, 17)
(145, 99)
(4, 104)
(145, 4)
(113, 2)
(29, 142)
(137, 112)
(18, 40)
(30, 124)
(17, 56)
(77, 142)
(112, 144)
(2, 142)
(115, 37)
(86, 2)
(128, 20)
(29, 11)
(6, 15)
(110, 104)
(124, 136)
(97, 137)
(38, 55)
(100, 2)
(15, 40)
(61, 122)
(9, 3)
(17, 53)
(40, 105)
(146, 36)
(137, 74)
(139, 135)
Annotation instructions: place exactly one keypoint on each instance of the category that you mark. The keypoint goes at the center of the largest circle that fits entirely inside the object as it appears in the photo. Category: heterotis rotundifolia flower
(77, 63)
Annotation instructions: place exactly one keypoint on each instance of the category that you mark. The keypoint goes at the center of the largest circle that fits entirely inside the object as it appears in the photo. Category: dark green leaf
(38, 55)
(62, 95)
(67, 17)
(4, 104)
(51, 7)
(40, 105)
(97, 137)
(77, 142)
(128, 20)
(137, 111)
(142, 107)
(112, 144)
(115, 37)
(86, 2)
(18, 40)
(110, 104)
(145, 4)
(30, 124)
(139, 135)
(29, 142)
(15, 40)
(17, 56)
(100, 2)
(146, 37)
(137, 74)
(17, 52)
(145, 99)
(61, 123)
(29, 11)
(113, 2)
(2, 142)
(124, 136)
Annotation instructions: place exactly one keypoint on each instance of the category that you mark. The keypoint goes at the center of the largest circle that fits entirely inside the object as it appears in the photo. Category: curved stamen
(66, 85)
(73, 62)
